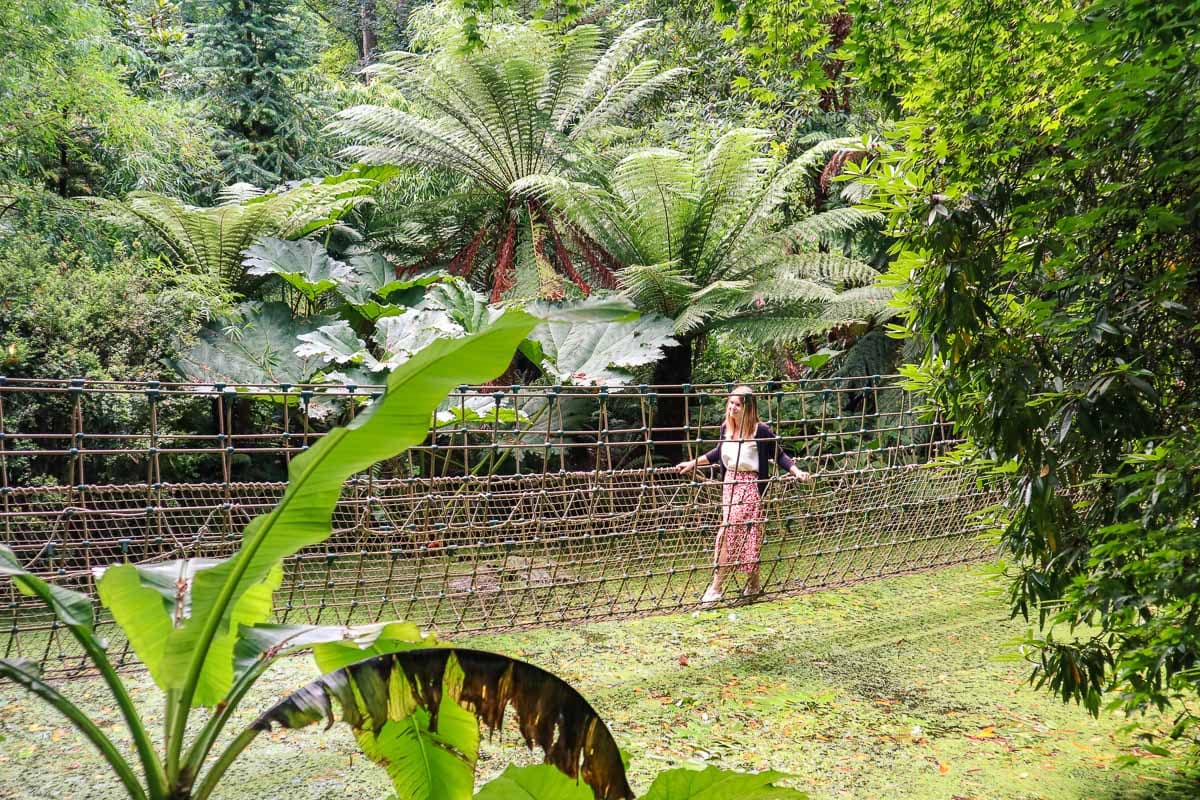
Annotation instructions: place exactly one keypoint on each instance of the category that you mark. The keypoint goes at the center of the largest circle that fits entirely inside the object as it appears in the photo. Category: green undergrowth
(893, 689)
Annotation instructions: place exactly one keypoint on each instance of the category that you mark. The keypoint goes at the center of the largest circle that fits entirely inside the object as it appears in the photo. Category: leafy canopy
(1045, 192)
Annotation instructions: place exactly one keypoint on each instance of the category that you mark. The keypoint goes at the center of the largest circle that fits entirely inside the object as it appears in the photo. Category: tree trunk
(837, 96)
(367, 24)
(671, 371)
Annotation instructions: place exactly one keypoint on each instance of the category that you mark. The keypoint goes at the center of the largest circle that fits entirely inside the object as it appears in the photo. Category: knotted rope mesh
(525, 506)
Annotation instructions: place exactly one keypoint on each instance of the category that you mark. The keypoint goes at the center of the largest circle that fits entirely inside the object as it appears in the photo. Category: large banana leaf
(416, 711)
(149, 602)
(393, 423)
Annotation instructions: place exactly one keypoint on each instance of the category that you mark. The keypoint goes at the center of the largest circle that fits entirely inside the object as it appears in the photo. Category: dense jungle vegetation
(998, 199)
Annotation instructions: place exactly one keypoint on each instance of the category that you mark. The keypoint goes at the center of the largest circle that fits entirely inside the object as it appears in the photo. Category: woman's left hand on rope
(800, 474)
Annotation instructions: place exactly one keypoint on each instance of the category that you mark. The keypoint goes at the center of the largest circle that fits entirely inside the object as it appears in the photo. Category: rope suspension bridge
(525, 506)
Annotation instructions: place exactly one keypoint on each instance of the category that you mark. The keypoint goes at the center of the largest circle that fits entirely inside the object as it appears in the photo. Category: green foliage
(1045, 193)
(255, 345)
(712, 783)
(701, 245)
(305, 265)
(77, 300)
(252, 59)
(585, 353)
(532, 103)
(68, 120)
(802, 43)
(533, 783)
(211, 241)
(417, 713)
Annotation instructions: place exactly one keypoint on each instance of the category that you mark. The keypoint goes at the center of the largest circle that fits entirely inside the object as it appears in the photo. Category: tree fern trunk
(672, 370)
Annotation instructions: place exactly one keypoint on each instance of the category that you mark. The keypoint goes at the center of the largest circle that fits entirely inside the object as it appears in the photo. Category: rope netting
(525, 506)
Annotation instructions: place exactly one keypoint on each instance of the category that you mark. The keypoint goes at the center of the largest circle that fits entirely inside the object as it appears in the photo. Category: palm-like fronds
(699, 239)
(495, 119)
(211, 240)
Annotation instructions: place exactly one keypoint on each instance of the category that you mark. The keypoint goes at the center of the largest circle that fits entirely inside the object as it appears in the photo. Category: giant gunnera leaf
(417, 713)
(304, 264)
(254, 347)
(585, 353)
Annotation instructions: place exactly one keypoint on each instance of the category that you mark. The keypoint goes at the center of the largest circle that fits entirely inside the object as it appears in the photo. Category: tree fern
(211, 240)
(532, 104)
(696, 236)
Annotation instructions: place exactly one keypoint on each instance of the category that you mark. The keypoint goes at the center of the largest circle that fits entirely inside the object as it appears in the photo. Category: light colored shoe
(711, 595)
(751, 592)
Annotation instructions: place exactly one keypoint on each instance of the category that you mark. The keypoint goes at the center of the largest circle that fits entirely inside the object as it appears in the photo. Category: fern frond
(600, 74)
(828, 268)
(816, 155)
(830, 226)
(663, 287)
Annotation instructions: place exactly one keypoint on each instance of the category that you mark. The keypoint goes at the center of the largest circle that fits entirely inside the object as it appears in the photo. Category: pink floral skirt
(740, 537)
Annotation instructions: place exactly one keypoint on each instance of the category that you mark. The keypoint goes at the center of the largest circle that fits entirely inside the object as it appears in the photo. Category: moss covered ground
(903, 688)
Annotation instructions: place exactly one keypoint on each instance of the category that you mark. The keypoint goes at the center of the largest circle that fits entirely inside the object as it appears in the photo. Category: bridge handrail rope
(525, 506)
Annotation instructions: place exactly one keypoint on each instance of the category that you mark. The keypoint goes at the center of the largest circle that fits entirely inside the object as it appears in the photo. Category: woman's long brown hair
(749, 416)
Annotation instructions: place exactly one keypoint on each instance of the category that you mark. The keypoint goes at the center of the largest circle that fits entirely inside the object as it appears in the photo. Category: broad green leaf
(149, 602)
(400, 337)
(372, 310)
(411, 709)
(366, 641)
(142, 612)
(541, 782)
(333, 646)
(71, 608)
(425, 763)
(253, 607)
(336, 343)
(597, 308)
(718, 784)
(579, 352)
(465, 306)
(371, 276)
(256, 347)
(396, 421)
(304, 264)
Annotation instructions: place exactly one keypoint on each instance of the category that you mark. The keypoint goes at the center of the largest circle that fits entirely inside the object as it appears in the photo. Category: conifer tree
(250, 60)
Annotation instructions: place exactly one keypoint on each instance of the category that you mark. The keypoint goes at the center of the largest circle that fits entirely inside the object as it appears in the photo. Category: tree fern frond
(733, 173)
(641, 85)
(656, 188)
(662, 287)
(782, 328)
(830, 226)
(829, 268)
(599, 76)
(818, 153)
(236, 193)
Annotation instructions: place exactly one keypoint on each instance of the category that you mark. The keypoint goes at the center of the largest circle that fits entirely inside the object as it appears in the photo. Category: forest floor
(901, 689)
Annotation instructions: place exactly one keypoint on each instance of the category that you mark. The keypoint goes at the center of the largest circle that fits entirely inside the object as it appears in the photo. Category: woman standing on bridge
(743, 453)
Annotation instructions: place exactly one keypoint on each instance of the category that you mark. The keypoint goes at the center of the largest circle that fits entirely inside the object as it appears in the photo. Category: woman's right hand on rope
(684, 467)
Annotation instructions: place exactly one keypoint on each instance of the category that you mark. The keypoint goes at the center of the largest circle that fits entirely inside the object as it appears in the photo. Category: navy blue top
(768, 450)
